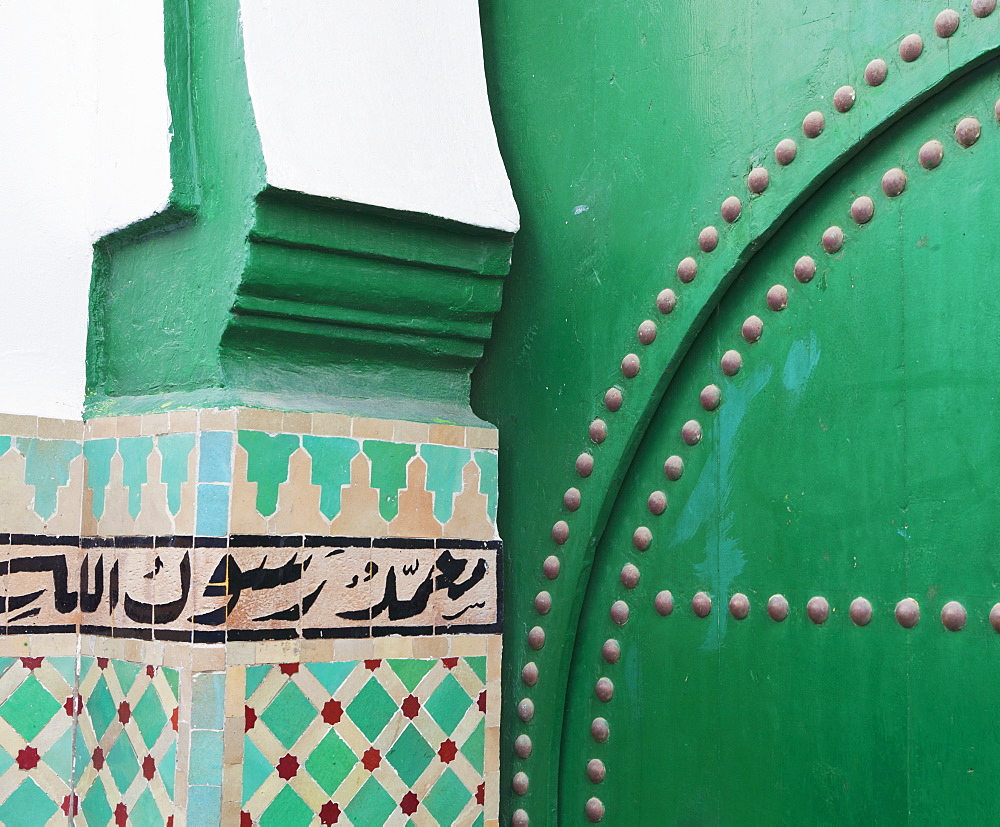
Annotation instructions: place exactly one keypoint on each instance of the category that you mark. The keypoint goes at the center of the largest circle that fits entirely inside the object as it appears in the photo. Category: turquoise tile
(448, 704)
(98, 453)
(29, 708)
(372, 804)
(126, 673)
(95, 807)
(330, 675)
(135, 452)
(59, 756)
(255, 674)
(101, 707)
(447, 798)
(288, 715)
(267, 464)
(288, 809)
(168, 768)
(122, 763)
(371, 709)
(27, 800)
(206, 757)
(489, 479)
(389, 460)
(150, 716)
(474, 747)
(256, 769)
(145, 811)
(215, 457)
(204, 805)
(208, 700)
(65, 667)
(175, 450)
(47, 468)
(331, 761)
(213, 510)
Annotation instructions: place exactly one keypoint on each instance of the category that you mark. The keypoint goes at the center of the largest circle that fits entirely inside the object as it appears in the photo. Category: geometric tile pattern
(365, 742)
(203, 473)
(126, 742)
(37, 702)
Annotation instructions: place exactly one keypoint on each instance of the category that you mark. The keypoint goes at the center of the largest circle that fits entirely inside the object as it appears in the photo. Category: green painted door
(752, 521)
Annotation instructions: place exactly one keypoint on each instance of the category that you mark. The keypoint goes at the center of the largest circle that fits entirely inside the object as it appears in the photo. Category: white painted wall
(84, 149)
(381, 102)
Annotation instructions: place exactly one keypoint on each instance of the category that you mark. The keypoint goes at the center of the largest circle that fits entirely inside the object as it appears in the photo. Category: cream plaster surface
(380, 103)
(84, 149)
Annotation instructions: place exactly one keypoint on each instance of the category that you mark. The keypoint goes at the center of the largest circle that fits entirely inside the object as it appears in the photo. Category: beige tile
(213, 419)
(359, 515)
(430, 647)
(299, 500)
(350, 649)
(416, 505)
(152, 652)
(60, 428)
(328, 424)
(493, 703)
(316, 651)
(447, 435)
(393, 647)
(236, 687)
(55, 646)
(482, 438)
(128, 426)
(415, 432)
(233, 729)
(470, 517)
(364, 428)
(154, 424)
(231, 809)
(241, 652)
(15, 646)
(210, 657)
(16, 425)
(256, 419)
(177, 655)
(182, 422)
(277, 651)
(296, 422)
(133, 651)
(493, 658)
(102, 427)
(465, 646)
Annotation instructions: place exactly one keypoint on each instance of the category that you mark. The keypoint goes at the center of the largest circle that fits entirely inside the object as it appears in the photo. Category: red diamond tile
(288, 767)
(333, 711)
(371, 759)
(447, 751)
(409, 803)
(289, 669)
(329, 813)
(372, 665)
(31, 663)
(121, 815)
(410, 706)
(27, 758)
(148, 768)
(124, 712)
(98, 758)
(449, 663)
(250, 718)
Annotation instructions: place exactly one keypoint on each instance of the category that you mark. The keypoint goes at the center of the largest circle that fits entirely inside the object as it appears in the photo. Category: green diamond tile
(287, 808)
(126, 673)
(331, 762)
(411, 671)
(101, 707)
(59, 756)
(448, 704)
(256, 769)
(167, 767)
(371, 804)
(480, 820)
(94, 806)
(332, 675)
(65, 667)
(173, 678)
(6, 761)
(478, 665)
(30, 708)
(410, 755)
(447, 798)
(6, 663)
(255, 674)
(145, 811)
(371, 709)
(122, 763)
(150, 717)
(474, 747)
(288, 715)
(27, 801)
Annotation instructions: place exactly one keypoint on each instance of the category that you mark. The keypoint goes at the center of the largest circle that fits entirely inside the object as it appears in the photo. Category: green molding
(240, 293)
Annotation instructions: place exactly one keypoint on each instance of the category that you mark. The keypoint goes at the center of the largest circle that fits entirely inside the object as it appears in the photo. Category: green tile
(122, 763)
(447, 798)
(134, 452)
(27, 799)
(411, 671)
(288, 809)
(480, 820)
(175, 450)
(99, 453)
(331, 762)
(149, 716)
(6, 761)
(371, 709)
(95, 807)
(6, 663)
(145, 811)
(30, 708)
(332, 675)
(168, 767)
(255, 674)
(389, 461)
(331, 468)
(444, 476)
(478, 665)
(448, 704)
(371, 804)
(256, 769)
(46, 467)
(101, 707)
(410, 755)
(267, 465)
(488, 479)
(474, 747)
(172, 679)
(127, 673)
(288, 715)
